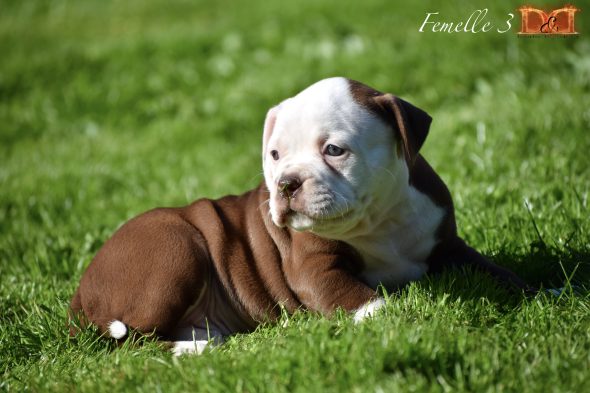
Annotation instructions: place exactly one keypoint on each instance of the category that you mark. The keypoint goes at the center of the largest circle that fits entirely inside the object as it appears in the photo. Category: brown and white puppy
(347, 204)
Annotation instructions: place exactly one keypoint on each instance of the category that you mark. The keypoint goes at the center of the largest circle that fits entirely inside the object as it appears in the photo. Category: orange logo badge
(557, 22)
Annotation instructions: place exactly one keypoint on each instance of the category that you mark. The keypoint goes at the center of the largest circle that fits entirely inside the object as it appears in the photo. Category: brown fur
(156, 266)
(411, 126)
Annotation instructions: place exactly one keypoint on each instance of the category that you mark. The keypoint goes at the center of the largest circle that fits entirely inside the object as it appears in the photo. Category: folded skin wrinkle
(322, 231)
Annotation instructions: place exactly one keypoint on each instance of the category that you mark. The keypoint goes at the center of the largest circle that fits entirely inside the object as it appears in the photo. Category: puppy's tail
(117, 329)
(78, 320)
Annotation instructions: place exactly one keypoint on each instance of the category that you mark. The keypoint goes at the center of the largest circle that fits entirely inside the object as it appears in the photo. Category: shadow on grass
(549, 267)
(542, 267)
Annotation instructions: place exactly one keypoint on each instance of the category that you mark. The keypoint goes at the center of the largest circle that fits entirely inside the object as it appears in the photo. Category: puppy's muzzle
(288, 186)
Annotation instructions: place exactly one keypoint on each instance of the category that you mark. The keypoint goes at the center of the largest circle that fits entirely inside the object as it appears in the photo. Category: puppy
(347, 204)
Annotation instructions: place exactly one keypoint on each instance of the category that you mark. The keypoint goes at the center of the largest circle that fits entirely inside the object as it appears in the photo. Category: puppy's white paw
(189, 347)
(573, 289)
(192, 340)
(367, 310)
(555, 291)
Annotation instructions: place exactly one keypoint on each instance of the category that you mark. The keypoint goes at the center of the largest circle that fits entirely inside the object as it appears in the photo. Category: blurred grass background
(111, 108)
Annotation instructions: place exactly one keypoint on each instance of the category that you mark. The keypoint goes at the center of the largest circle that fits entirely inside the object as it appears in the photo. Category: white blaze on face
(338, 193)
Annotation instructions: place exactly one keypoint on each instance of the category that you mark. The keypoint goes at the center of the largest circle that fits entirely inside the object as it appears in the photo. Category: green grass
(108, 109)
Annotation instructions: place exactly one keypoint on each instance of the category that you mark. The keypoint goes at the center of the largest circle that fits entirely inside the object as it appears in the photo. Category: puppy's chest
(396, 252)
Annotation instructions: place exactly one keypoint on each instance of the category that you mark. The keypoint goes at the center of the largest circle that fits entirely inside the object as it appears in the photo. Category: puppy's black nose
(288, 186)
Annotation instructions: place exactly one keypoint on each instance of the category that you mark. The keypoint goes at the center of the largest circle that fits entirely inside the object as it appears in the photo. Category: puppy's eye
(333, 150)
(274, 154)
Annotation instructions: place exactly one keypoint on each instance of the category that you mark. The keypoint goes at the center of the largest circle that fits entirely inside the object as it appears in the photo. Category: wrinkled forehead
(327, 106)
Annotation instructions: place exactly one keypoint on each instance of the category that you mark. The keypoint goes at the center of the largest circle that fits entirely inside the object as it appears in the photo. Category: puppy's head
(337, 155)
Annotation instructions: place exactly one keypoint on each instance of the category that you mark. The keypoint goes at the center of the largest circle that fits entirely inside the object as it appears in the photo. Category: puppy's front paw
(368, 309)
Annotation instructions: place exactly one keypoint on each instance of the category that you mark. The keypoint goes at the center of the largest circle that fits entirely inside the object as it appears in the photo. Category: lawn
(108, 109)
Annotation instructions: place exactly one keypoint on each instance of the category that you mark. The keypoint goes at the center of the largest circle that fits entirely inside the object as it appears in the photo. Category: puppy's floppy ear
(412, 124)
(269, 125)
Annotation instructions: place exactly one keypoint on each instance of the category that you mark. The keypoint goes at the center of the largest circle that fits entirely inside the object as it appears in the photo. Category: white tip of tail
(117, 329)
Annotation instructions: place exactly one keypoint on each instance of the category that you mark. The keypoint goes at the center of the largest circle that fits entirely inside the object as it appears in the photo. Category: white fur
(189, 347)
(323, 114)
(395, 251)
(117, 329)
(560, 291)
(369, 203)
(192, 340)
(368, 310)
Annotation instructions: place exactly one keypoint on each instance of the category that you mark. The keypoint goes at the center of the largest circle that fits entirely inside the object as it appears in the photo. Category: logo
(560, 21)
